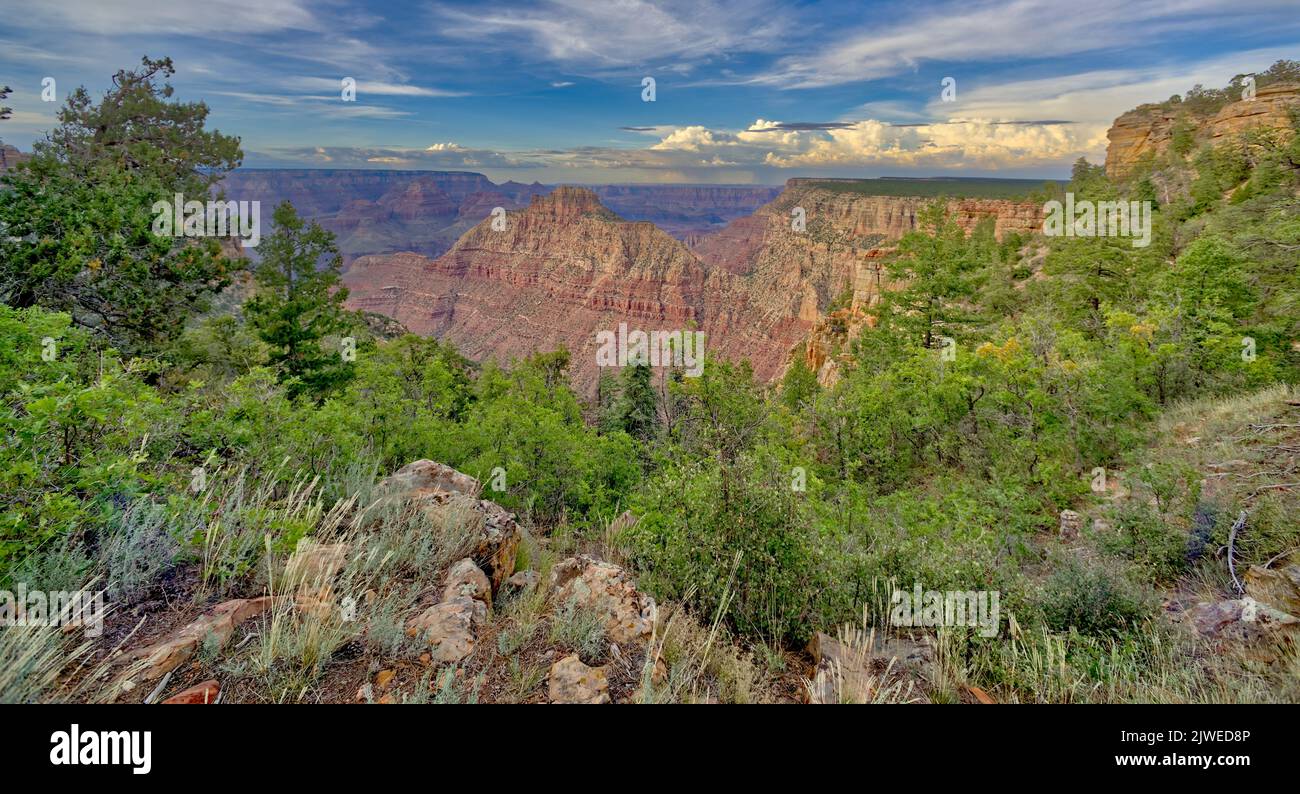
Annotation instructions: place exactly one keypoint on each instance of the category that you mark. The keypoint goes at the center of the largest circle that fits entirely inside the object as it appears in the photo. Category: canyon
(567, 267)
(10, 157)
(768, 274)
(426, 212)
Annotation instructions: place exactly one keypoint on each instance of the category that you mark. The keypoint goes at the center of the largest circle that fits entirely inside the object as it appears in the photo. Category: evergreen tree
(638, 406)
(940, 268)
(299, 303)
(78, 219)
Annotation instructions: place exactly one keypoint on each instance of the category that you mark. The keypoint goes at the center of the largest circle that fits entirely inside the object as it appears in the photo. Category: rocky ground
(432, 594)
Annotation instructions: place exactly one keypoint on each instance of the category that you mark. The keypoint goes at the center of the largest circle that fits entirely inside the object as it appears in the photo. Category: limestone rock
(606, 589)
(449, 498)
(571, 681)
(451, 628)
(1259, 627)
(1278, 587)
(1071, 524)
(423, 477)
(1147, 131)
(467, 579)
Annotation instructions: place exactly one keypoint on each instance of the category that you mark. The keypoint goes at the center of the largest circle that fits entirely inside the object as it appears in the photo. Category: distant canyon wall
(567, 267)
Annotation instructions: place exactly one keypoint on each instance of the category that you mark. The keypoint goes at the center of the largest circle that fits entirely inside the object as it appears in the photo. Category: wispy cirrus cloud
(377, 88)
(598, 35)
(982, 31)
(190, 17)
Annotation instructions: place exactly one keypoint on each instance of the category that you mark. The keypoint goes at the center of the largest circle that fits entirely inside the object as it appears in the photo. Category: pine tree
(299, 303)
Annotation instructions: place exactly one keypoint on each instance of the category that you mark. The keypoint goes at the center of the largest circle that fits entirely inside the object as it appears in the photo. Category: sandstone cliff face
(1147, 130)
(560, 271)
(567, 267)
(796, 274)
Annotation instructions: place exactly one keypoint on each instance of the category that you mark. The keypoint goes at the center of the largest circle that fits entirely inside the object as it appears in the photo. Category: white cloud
(195, 17)
(368, 87)
(985, 31)
(605, 34)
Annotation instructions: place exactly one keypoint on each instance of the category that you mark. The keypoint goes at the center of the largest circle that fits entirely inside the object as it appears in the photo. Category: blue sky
(747, 91)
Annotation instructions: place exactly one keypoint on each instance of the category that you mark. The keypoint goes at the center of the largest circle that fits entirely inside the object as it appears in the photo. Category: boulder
(571, 681)
(1277, 587)
(1259, 627)
(426, 477)
(498, 545)
(205, 692)
(1071, 524)
(448, 496)
(607, 589)
(451, 628)
(468, 580)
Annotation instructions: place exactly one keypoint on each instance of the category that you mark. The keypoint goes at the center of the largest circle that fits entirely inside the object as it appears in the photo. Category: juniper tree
(78, 219)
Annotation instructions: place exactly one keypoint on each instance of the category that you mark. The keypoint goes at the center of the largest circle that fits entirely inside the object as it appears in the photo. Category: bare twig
(1232, 539)
(1275, 485)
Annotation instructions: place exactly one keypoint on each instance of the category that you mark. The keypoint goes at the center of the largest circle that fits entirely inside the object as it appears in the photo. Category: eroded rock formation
(1147, 131)
(567, 267)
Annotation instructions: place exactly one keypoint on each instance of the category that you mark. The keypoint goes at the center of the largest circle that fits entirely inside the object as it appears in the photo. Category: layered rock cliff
(553, 274)
(427, 211)
(797, 273)
(567, 267)
(1146, 131)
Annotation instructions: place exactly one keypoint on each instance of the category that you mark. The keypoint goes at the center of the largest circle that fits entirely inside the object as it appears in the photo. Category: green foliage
(798, 385)
(299, 303)
(78, 219)
(1093, 600)
(629, 403)
(939, 267)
